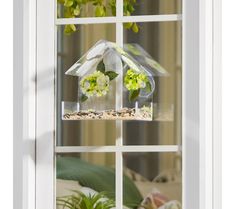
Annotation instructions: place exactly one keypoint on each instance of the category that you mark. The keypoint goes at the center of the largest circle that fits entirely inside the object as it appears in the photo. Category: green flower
(95, 84)
(135, 81)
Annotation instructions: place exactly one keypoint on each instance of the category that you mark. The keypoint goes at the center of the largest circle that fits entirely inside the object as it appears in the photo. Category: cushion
(156, 200)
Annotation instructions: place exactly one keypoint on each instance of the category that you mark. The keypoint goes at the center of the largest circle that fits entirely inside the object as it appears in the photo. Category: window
(142, 154)
(148, 150)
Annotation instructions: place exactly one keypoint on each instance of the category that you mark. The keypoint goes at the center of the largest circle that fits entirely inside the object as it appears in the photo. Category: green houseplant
(79, 200)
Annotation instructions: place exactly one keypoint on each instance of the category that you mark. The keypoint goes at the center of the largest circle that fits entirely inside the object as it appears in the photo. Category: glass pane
(152, 7)
(90, 8)
(158, 46)
(70, 48)
(84, 174)
(157, 177)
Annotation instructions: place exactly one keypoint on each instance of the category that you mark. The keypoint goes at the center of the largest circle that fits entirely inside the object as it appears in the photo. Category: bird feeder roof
(133, 56)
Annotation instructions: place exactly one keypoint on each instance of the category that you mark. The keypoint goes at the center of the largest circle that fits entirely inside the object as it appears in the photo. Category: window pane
(74, 9)
(152, 7)
(86, 173)
(157, 177)
(158, 46)
(70, 48)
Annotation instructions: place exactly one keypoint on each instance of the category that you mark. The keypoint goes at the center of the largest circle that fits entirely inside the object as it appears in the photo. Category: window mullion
(119, 102)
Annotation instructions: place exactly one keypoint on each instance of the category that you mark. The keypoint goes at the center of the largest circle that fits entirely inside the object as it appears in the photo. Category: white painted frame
(24, 107)
(34, 65)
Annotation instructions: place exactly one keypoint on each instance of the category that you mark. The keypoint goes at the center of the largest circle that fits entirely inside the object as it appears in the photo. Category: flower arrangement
(134, 82)
(97, 83)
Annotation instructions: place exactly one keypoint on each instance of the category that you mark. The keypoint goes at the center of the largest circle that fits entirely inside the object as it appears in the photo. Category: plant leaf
(100, 11)
(135, 28)
(76, 11)
(148, 87)
(133, 95)
(83, 98)
(68, 3)
(69, 29)
(101, 67)
(73, 27)
(111, 74)
(128, 25)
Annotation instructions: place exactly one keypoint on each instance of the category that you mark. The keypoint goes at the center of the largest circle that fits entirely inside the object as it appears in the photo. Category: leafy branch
(74, 8)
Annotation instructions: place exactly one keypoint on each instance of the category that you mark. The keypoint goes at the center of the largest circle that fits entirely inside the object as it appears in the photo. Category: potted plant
(79, 200)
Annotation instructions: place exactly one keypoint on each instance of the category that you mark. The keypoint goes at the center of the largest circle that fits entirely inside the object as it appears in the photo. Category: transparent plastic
(107, 73)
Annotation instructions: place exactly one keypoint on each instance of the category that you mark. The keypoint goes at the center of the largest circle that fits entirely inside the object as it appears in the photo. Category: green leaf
(83, 98)
(111, 74)
(135, 28)
(128, 25)
(130, 8)
(68, 12)
(148, 87)
(69, 29)
(100, 11)
(76, 11)
(68, 3)
(127, 13)
(133, 95)
(101, 67)
(73, 27)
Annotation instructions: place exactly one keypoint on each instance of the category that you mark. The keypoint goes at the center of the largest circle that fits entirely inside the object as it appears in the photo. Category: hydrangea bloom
(134, 81)
(95, 84)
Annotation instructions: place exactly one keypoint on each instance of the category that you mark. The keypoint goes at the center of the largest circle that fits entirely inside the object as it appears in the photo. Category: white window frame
(34, 64)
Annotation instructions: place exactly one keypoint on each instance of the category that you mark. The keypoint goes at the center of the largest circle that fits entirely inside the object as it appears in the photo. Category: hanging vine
(74, 8)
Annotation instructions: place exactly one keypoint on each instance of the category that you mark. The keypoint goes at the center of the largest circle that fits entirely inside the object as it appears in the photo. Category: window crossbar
(137, 148)
(123, 19)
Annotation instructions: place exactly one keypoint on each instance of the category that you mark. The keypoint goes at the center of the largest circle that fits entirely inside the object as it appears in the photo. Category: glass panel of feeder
(69, 49)
(157, 46)
(79, 9)
(151, 7)
(158, 178)
(79, 175)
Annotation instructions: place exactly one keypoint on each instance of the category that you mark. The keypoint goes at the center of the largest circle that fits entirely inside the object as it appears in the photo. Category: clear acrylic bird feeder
(113, 84)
